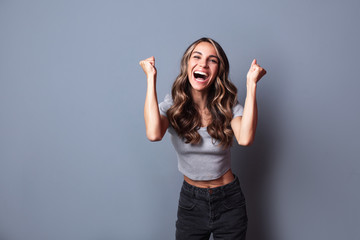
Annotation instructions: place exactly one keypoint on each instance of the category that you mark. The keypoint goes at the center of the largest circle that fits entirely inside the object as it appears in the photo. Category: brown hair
(183, 115)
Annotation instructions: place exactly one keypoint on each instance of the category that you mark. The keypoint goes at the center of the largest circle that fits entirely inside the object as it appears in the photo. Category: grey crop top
(203, 161)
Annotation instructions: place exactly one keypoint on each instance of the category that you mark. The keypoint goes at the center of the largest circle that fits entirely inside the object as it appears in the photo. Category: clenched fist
(255, 72)
(148, 65)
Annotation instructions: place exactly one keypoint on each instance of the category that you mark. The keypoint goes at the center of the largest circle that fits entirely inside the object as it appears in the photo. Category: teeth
(201, 73)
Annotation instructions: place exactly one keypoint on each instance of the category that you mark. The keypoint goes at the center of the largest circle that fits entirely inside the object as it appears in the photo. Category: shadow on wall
(254, 166)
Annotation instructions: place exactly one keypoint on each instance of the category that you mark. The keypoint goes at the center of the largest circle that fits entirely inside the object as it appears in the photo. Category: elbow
(153, 137)
(246, 142)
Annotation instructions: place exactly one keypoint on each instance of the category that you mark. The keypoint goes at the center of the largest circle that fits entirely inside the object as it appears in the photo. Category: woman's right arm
(156, 124)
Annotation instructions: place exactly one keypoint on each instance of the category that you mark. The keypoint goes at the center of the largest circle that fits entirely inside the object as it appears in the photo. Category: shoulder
(237, 109)
(165, 104)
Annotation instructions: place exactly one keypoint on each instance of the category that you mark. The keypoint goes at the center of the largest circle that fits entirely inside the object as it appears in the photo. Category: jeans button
(210, 191)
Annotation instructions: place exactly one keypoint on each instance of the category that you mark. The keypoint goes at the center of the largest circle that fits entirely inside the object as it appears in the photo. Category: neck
(199, 98)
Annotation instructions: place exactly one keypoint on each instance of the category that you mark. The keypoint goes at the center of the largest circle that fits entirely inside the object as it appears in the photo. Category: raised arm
(155, 123)
(244, 127)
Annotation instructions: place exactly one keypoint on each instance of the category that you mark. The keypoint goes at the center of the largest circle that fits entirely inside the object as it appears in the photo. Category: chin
(200, 87)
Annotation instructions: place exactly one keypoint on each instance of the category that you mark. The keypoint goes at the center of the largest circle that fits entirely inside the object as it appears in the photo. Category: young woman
(202, 115)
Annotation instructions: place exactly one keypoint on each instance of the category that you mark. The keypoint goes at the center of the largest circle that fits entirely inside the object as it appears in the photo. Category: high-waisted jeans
(220, 211)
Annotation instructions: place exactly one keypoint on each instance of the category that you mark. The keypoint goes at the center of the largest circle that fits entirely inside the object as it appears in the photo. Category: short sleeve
(165, 105)
(237, 110)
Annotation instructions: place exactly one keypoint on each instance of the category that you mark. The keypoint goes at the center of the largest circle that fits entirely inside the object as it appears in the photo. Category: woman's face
(202, 66)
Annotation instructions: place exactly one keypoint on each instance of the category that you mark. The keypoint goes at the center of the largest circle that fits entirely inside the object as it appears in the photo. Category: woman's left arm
(244, 127)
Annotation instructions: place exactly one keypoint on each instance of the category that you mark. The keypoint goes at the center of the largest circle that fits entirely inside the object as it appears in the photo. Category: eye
(213, 61)
(196, 56)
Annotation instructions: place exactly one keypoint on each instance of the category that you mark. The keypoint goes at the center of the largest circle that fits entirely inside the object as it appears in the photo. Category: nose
(203, 63)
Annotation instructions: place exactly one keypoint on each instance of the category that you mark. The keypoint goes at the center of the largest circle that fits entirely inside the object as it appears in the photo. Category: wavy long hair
(183, 115)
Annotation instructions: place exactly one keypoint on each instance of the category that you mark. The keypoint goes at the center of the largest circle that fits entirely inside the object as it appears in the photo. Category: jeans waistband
(224, 190)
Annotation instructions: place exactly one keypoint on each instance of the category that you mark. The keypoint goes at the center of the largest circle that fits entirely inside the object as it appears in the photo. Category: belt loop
(194, 191)
(223, 193)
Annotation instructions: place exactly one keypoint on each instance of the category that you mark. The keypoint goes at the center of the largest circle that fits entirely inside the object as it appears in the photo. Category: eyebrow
(209, 56)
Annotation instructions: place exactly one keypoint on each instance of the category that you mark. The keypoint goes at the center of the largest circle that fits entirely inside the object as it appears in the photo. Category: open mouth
(200, 76)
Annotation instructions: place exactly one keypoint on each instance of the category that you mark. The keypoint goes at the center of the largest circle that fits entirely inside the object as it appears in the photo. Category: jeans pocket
(186, 202)
(234, 201)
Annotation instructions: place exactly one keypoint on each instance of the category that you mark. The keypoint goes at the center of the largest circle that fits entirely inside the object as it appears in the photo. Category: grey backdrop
(74, 160)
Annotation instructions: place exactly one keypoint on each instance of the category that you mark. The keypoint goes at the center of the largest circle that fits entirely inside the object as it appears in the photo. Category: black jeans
(220, 210)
